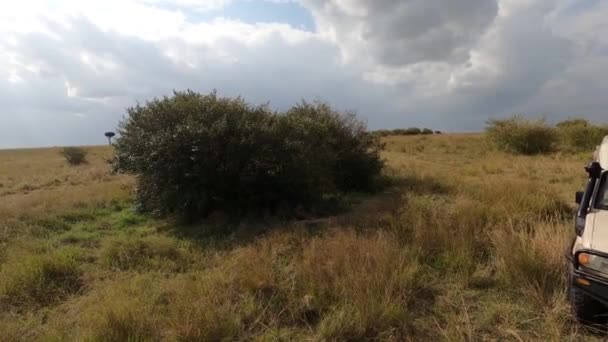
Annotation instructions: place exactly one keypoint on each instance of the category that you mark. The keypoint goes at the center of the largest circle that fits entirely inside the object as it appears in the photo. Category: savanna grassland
(466, 244)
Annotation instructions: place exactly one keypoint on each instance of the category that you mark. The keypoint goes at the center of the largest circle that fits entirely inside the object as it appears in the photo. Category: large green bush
(523, 136)
(194, 153)
(580, 135)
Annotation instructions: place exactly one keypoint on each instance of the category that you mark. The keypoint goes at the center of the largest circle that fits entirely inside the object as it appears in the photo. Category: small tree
(74, 155)
(110, 135)
(427, 131)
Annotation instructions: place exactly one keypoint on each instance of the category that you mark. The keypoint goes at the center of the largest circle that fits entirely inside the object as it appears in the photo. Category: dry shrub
(74, 155)
(522, 136)
(580, 134)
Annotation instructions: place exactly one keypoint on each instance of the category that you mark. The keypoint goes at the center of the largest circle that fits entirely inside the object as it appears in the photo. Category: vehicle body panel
(602, 154)
(598, 220)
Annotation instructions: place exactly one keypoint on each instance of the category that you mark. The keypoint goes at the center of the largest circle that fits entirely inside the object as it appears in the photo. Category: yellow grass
(466, 245)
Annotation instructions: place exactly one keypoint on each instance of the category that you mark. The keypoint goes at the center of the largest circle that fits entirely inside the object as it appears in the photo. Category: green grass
(466, 244)
(148, 253)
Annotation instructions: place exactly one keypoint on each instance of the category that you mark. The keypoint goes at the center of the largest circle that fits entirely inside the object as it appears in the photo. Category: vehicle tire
(584, 308)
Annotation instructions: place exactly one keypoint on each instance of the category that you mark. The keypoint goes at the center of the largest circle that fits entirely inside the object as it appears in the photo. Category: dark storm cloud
(458, 63)
(398, 32)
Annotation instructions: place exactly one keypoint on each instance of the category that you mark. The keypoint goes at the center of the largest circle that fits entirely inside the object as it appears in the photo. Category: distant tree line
(405, 131)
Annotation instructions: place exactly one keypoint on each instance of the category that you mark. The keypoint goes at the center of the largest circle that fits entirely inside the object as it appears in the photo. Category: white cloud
(93, 72)
(69, 68)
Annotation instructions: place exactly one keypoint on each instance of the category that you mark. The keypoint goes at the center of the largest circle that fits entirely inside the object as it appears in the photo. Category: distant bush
(74, 155)
(413, 131)
(580, 135)
(405, 131)
(195, 153)
(520, 135)
(382, 132)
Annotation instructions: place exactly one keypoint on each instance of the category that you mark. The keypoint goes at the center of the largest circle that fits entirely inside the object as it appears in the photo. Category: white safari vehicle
(588, 284)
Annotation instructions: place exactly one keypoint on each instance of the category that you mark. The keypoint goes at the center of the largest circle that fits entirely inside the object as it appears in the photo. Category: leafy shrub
(334, 149)
(580, 135)
(74, 155)
(438, 132)
(427, 131)
(195, 153)
(523, 136)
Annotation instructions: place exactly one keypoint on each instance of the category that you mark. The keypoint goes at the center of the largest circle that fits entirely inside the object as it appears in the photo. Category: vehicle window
(602, 195)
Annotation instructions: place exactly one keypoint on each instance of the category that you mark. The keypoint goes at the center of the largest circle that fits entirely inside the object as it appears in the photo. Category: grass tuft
(133, 253)
(40, 280)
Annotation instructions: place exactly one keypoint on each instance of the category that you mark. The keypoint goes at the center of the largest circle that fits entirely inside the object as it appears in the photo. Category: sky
(70, 68)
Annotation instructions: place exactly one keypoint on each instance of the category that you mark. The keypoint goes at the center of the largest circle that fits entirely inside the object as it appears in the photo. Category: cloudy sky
(69, 68)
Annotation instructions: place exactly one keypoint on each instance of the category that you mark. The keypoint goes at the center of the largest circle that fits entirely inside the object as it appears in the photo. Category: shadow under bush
(193, 154)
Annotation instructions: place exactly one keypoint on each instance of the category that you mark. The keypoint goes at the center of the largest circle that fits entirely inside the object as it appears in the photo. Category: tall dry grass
(467, 244)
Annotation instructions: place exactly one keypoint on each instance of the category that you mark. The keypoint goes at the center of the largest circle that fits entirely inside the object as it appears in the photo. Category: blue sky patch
(260, 11)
